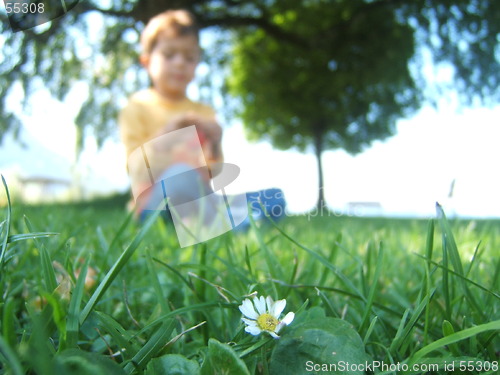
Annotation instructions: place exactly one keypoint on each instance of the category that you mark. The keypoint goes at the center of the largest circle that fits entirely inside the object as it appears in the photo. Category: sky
(403, 175)
(406, 174)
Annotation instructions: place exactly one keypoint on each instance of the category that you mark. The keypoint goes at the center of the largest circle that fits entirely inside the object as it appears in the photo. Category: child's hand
(209, 134)
(209, 131)
(209, 128)
(180, 121)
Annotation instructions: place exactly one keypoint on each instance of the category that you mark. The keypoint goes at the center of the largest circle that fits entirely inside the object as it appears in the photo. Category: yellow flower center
(267, 322)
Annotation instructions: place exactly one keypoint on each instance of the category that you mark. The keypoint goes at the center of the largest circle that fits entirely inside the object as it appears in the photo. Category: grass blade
(272, 261)
(452, 245)
(5, 239)
(452, 250)
(48, 273)
(177, 273)
(413, 320)
(159, 339)
(323, 261)
(28, 236)
(124, 339)
(11, 359)
(399, 332)
(373, 288)
(162, 300)
(119, 234)
(117, 267)
(370, 329)
(429, 247)
(103, 243)
(446, 282)
(331, 258)
(328, 305)
(8, 329)
(490, 292)
(453, 338)
(447, 331)
(494, 282)
(197, 307)
(255, 347)
(72, 322)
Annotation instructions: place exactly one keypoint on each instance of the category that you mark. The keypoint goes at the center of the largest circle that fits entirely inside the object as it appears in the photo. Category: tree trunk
(318, 148)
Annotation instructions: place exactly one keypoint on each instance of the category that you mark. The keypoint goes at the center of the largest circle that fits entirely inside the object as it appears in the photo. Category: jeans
(184, 186)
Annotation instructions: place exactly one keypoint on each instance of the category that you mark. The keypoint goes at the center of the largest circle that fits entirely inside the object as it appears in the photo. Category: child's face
(172, 64)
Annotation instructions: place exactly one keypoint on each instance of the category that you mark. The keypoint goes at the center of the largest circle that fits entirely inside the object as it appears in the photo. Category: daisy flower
(263, 315)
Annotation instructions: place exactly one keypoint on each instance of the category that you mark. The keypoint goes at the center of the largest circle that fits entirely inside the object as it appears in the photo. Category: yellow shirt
(147, 113)
(142, 120)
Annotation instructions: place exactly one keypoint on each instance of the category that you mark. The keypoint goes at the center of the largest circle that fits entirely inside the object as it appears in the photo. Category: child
(156, 124)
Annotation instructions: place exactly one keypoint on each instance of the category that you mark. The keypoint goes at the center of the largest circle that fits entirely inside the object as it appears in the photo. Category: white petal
(288, 318)
(273, 334)
(248, 322)
(248, 310)
(260, 304)
(279, 326)
(279, 306)
(270, 305)
(253, 330)
(286, 321)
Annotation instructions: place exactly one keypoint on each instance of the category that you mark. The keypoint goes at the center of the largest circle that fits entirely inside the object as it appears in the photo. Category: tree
(329, 72)
(345, 79)
(332, 90)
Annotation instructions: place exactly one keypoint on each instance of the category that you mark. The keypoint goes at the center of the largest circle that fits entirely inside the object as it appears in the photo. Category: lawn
(88, 290)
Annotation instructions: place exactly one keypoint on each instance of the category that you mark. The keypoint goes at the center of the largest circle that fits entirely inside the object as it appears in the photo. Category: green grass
(412, 291)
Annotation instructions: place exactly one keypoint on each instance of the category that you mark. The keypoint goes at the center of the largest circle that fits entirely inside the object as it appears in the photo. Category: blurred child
(150, 123)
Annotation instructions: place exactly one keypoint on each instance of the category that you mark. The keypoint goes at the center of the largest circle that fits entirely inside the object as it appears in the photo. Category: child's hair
(172, 23)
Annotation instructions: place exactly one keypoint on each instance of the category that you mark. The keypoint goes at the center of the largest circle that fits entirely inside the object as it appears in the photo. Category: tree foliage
(345, 82)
